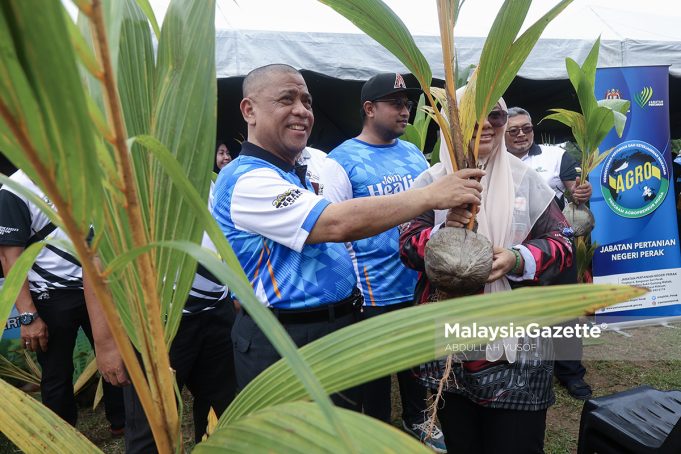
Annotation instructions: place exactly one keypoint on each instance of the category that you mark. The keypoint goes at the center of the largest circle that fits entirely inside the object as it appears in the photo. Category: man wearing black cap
(378, 163)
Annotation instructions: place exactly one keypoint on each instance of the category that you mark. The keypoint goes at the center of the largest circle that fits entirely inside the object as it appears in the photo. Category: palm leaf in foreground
(34, 428)
(301, 428)
(392, 342)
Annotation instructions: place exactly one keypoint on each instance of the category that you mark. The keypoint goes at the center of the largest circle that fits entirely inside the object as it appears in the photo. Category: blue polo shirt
(357, 169)
(266, 211)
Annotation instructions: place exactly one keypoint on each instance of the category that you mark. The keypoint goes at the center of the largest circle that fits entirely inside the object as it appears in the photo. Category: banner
(12, 327)
(634, 201)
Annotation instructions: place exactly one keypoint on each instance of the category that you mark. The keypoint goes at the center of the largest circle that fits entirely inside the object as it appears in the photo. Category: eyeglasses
(515, 131)
(497, 118)
(397, 103)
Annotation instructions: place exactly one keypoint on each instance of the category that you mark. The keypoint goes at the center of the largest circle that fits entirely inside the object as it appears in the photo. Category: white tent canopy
(309, 35)
(355, 56)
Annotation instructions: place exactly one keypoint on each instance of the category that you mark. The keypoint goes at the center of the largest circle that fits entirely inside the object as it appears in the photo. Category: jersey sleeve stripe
(314, 214)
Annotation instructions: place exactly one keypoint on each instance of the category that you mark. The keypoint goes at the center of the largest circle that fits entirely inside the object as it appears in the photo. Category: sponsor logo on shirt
(540, 169)
(287, 198)
(391, 184)
(4, 230)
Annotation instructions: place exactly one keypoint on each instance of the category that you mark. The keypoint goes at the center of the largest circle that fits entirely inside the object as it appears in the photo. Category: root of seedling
(435, 399)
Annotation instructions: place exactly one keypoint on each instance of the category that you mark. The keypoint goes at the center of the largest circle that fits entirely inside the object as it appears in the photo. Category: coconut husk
(458, 261)
(580, 218)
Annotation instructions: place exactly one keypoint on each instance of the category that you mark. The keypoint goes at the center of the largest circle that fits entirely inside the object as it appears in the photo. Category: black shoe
(579, 389)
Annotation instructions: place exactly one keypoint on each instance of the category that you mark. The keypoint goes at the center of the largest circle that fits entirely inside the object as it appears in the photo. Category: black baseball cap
(385, 84)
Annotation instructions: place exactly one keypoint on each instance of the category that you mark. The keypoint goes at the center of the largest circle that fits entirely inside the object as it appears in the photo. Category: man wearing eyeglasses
(377, 163)
(559, 169)
(561, 172)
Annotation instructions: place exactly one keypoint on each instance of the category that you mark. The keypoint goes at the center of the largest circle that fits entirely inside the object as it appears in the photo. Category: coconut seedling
(589, 129)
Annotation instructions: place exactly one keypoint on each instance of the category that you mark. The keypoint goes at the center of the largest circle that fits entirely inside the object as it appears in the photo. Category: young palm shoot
(589, 129)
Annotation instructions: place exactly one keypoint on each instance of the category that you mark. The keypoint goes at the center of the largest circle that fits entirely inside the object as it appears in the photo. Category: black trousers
(474, 429)
(201, 355)
(64, 312)
(253, 352)
(568, 365)
(568, 370)
(375, 396)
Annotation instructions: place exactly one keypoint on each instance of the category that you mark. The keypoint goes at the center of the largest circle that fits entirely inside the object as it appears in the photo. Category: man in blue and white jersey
(287, 238)
(374, 164)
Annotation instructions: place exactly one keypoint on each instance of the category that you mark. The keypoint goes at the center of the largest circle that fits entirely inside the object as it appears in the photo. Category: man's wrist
(26, 318)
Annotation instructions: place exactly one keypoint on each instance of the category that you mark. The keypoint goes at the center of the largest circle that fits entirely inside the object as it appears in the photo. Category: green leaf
(435, 154)
(15, 281)
(599, 125)
(33, 428)
(586, 97)
(149, 12)
(502, 55)
(81, 47)
(12, 371)
(184, 120)
(590, 63)
(402, 339)
(495, 52)
(574, 72)
(575, 121)
(301, 428)
(53, 145)
(377, 20)
(412, 135)
(619, 107)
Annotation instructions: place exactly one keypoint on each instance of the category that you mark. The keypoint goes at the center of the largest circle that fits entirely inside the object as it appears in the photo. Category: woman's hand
(503, 262)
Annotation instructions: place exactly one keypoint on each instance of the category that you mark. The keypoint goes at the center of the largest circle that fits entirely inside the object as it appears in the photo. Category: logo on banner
(643, 97)
(613, 93)
(634, 179)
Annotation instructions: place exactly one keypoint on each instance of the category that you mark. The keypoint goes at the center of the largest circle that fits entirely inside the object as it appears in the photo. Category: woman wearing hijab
(497, 403)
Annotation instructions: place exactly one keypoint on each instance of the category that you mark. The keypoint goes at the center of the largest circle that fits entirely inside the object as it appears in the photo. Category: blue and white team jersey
(358, 169)
(266, 213)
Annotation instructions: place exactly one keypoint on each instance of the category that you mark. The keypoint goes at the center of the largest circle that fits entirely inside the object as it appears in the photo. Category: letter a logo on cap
(399, 81)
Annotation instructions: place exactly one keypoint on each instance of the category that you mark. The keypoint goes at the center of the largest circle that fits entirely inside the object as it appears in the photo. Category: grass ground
(652, 356)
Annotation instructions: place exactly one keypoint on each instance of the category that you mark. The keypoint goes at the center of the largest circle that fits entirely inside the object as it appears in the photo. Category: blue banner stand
(634, 202)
